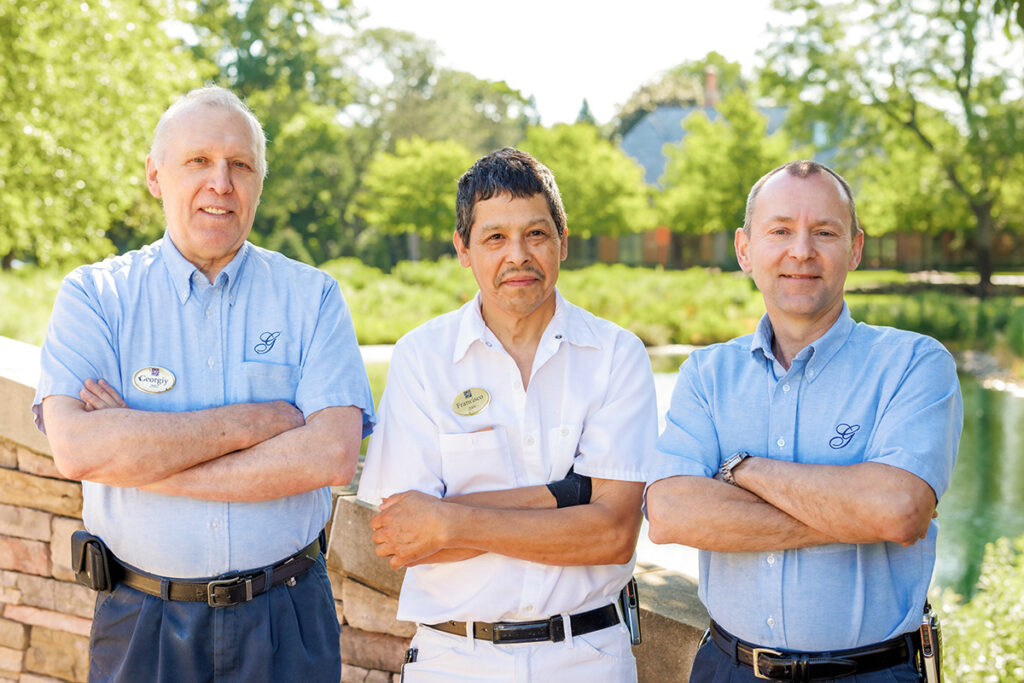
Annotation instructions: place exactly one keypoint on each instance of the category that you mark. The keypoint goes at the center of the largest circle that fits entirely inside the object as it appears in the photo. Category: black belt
(552, 629)
(225, 591)
(772, 664)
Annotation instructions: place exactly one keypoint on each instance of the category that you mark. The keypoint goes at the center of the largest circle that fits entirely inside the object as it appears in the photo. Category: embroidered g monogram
(267, 340)
(845, 433)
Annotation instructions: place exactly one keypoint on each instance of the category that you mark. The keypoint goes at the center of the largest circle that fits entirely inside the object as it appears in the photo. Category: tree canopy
(602, 188)
(941, 72)
(81, 97)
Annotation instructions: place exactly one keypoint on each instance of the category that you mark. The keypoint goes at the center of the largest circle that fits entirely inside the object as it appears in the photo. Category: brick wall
(45, 616)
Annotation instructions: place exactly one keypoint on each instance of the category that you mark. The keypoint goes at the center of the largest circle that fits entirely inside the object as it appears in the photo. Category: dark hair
(802, 169)
(506, 171)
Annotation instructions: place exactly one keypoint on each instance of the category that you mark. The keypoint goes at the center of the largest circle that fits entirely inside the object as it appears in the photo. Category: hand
(98, 395)
(409, 527)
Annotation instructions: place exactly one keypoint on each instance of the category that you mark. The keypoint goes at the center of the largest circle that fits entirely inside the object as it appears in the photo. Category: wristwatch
(733, 461)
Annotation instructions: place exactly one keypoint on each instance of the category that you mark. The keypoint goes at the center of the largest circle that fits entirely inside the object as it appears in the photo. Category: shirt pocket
(563, 443)
(476, 461)
(269, 382)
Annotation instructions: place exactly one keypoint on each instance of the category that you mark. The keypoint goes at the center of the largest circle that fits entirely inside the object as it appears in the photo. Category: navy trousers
(711, 665)
(289, 633)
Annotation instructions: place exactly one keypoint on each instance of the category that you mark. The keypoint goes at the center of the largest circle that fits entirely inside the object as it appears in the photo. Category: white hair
(210, 96)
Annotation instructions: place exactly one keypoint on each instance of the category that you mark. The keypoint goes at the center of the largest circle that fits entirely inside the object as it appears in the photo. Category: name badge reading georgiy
(470, 401)
(153, 380)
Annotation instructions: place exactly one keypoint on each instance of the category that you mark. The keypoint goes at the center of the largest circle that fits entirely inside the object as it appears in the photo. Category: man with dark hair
(207, 393)
(514, 440)
(806, 460)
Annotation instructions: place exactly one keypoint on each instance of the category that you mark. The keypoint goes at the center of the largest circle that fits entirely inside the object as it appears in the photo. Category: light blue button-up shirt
(268, 328)
(858, 394)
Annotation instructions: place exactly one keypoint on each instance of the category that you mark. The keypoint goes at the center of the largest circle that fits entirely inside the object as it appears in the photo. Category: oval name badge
(153, 380)
(470, 401)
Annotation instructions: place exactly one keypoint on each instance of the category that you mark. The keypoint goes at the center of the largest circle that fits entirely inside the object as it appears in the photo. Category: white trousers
(603, 656)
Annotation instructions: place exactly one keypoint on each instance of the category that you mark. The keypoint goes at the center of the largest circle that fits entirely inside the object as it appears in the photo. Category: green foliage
(709, 173)
(932, 88)
(957, 321)
(413, 189)
(602, 188)
(983, 640)
(84, 84)
(28, 295)
(694, 306)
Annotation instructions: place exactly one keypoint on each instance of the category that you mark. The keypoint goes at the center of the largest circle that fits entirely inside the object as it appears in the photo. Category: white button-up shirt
(590, 404)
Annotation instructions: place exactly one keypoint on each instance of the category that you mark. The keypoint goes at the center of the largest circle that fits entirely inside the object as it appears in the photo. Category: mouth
(798, 276)
(214, 211)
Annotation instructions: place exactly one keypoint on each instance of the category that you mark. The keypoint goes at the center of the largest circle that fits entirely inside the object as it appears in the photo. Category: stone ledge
(351, 551)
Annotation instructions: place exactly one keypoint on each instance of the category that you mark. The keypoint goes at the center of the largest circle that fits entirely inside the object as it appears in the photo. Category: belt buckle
(756, 655)
(212, 586)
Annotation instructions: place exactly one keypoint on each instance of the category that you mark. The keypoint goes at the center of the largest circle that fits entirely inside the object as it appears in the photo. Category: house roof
(646, 140)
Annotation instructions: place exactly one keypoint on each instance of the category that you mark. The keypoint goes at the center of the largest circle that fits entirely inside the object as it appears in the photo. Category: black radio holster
(90, 560)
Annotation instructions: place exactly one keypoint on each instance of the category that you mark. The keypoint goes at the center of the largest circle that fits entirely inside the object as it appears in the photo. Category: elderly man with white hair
(208, 393)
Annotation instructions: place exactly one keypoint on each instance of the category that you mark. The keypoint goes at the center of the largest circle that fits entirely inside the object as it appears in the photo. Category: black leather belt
(552, 629)
(778, 665)
(224, 591)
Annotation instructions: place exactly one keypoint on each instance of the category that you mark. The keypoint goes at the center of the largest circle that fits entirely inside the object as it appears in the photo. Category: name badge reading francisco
(153, 380)
(470, 401)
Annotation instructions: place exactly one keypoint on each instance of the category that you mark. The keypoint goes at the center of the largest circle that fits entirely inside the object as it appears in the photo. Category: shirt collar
(818, 353)
(181, 270)
(567, 324)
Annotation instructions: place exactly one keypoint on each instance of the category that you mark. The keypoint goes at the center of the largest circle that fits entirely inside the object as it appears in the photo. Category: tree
(710, 172)
(681, 86)
(412, 191)
(602, 188)
(585, 115)
(938, 71)
(84, 84)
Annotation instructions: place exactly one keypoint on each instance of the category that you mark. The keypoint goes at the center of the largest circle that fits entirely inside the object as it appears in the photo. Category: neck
(520, 334)
(792, 336)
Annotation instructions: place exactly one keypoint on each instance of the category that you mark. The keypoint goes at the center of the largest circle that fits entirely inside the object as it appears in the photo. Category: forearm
(861, 503)
(125, 447)
(589, 534)
(711, 515)
(524, 498)
(324, 452)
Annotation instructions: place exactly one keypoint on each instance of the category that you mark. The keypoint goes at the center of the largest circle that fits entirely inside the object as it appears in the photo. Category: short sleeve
(79, 344)
(919, 430)
(333, 373)
(617, 441)
(689, 444)
(403, 453)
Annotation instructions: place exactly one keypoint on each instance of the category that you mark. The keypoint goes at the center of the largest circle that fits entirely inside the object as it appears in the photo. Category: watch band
(731, 463)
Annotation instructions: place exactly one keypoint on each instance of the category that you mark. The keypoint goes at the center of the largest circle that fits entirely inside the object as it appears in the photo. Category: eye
(197, 160)
(242, 165)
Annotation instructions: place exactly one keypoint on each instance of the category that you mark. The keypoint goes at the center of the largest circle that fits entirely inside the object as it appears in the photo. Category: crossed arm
(240, 452)
(780, 505)
(416, 528)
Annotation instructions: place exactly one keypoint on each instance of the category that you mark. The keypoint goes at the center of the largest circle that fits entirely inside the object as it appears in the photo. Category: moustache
(514, 271)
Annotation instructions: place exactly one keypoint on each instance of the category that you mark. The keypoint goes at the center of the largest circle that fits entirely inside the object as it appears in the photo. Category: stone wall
(45, 616)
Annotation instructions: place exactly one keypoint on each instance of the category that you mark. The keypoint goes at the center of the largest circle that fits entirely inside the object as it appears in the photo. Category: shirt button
(208, 313)
(781, 442)
(558, 336)
(771, 560)
(771, 621)
(785, 387)
(529, 441)
(528, 609)
(565, 431)
(215, 524)
(810, 373)
(488, 344)
(210, 361)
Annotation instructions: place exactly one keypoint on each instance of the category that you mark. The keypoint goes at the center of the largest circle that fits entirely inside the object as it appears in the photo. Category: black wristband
(575, 489)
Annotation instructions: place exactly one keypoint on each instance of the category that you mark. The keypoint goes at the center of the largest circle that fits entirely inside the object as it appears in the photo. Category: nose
(802, 246)
(518, 251)
(220, 178)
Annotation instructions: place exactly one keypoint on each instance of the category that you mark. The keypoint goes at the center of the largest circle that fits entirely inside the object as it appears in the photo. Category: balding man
(806, 460)
(207, 393)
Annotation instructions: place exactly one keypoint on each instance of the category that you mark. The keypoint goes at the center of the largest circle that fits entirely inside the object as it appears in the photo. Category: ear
(742, 243)
(564, 246)
(460, 249)
(857, 251)
(151, 179)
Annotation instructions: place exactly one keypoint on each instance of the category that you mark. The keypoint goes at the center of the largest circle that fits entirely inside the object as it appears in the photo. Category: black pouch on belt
(90, 560)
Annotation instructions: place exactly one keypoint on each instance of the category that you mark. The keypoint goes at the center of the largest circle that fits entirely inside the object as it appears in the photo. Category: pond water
(985, 499)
